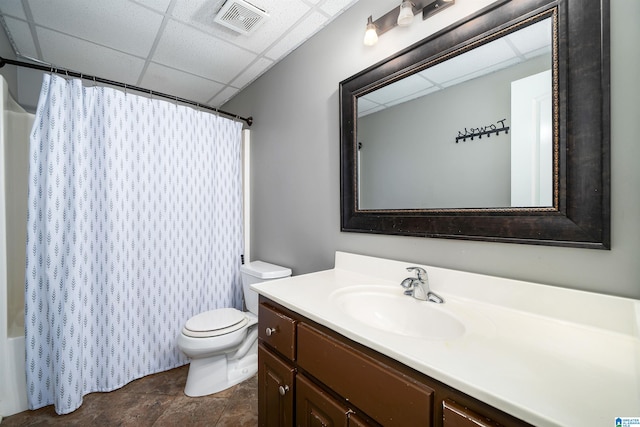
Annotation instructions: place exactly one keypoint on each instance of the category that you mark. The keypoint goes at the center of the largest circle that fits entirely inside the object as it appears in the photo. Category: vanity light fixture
(371, 35)
(405, 17)
(402, 16)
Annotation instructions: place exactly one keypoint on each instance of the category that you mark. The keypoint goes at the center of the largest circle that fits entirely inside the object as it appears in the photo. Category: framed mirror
(496, 128)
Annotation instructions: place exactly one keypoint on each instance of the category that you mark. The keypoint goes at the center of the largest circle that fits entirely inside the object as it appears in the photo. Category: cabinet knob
(270, 331)
(283, 389)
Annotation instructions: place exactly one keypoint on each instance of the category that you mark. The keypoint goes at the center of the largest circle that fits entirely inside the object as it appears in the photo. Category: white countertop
(547, 355)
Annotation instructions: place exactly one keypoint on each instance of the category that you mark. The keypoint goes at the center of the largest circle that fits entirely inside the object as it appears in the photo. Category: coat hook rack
(485, 130)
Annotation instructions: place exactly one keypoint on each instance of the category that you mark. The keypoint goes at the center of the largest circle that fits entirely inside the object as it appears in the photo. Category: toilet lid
(215, 322)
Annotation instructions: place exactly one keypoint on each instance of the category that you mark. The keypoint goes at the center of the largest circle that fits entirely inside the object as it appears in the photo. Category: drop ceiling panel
(158, 5)
(282, 16)
(188, 49)
(153, 41)
(335, 7)
(252, 72)
(415, 95)
(21, 34)
(475, 59)
(118, 24)
(472, 74)
(200, 14)
(536, 37)
(160, 78)
(223, 96)
(68, 52)
(297, 35)
(523, 44)
(400, 89)
(13, 8)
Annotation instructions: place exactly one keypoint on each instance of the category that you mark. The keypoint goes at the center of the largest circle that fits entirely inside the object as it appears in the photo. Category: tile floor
(155, 400)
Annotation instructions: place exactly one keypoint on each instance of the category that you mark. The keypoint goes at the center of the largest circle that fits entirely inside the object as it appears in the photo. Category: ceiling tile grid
(71, 53)
(119, 24)
(182, 47)
(21, 33)
(159, 78)
(169, 46)
(301, 32)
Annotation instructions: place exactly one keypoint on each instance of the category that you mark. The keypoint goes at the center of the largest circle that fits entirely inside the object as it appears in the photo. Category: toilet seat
(213, 323)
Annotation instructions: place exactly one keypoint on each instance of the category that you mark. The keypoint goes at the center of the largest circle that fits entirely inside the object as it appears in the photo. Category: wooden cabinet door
(275, 390)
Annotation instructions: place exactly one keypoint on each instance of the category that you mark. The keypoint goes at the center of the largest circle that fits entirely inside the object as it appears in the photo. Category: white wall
(295, 164)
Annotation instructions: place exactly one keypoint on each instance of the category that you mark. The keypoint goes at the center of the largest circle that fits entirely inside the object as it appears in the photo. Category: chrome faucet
(418, 287)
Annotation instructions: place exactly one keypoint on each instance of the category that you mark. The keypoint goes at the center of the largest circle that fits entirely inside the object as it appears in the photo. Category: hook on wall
(485, 130)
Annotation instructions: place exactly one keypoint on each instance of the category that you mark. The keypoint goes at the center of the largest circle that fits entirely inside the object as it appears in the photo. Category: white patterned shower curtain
(134, 225)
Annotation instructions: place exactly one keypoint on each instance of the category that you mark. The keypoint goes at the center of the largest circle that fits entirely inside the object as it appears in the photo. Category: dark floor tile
(46, 417)
(156, 400)
(239, 414)
(133, 409)
(242, 407)
(170, 382)
(188, 411)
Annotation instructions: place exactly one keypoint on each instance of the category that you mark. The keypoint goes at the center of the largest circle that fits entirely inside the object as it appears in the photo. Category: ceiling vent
(241, 16)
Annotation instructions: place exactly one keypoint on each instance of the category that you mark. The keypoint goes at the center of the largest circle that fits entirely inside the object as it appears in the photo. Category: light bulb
(405, 17)
(371, 35)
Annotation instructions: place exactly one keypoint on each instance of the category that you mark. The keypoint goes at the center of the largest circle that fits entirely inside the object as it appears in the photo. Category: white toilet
(223, 343)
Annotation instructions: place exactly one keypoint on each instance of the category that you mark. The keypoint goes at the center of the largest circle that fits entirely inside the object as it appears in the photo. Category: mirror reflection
(474, 131)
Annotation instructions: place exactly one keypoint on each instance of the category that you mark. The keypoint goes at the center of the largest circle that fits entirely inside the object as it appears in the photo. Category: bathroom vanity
(333, 381)
(347, 347)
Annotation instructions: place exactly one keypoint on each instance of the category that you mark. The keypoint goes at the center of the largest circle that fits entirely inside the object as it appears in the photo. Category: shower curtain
(134, 225)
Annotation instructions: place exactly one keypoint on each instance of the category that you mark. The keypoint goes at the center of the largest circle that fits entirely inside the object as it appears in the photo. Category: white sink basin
(388, 309)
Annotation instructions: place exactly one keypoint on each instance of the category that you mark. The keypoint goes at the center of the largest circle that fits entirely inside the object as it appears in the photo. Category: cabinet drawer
(316, 408)
(277, 330)
(387, 395)
(455, 415)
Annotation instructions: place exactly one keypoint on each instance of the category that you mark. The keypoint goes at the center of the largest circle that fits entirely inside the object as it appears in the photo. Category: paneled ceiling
(517, 47)
(169, 46)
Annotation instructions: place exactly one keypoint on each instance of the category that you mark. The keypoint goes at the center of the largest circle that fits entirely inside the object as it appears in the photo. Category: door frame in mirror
(581, 217)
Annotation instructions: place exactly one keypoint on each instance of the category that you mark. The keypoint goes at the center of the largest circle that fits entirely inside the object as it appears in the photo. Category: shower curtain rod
(69, 73)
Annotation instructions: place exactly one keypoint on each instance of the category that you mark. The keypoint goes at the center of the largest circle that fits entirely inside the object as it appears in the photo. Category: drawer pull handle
(270, 331)
(283, 389)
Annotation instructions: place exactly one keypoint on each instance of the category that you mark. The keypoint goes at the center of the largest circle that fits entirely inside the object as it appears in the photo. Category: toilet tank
(256, 272)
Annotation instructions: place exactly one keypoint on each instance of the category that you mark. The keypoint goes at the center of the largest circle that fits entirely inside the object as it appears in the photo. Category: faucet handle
(408, 284)
(420, 272)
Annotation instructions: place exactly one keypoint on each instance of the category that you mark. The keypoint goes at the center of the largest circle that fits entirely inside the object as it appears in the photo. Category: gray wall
(9, 72)
(295, 169)
(24, 84)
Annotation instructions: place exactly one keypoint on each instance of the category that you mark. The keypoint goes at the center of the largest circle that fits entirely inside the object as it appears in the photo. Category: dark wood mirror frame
(581, 217)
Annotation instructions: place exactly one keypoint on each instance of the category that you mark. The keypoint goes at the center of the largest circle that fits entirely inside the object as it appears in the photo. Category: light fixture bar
(427, 7)
(435, 7)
